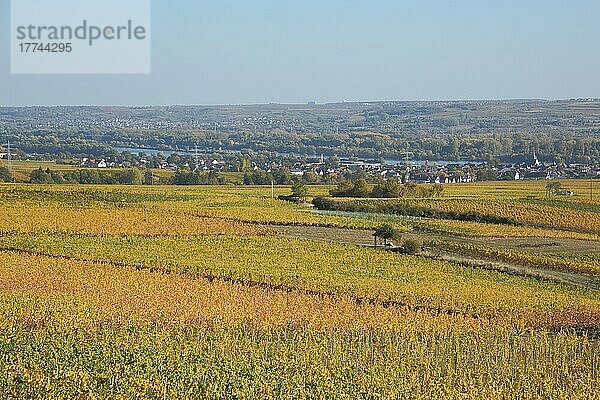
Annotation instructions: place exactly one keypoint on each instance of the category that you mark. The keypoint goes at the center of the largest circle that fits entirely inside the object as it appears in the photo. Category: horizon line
(309, 102)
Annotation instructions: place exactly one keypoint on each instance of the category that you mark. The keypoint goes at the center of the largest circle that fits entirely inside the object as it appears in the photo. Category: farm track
(361, 237)
(579, 280)
(541, 246)
(358, 236)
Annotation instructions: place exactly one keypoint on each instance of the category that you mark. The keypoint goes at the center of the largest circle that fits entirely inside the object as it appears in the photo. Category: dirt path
(580, 280)
(365, 237)
(534, 245)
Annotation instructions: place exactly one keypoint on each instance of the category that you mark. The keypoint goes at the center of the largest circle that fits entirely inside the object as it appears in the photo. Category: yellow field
(165, 292)
(517, 208)
(521, 189)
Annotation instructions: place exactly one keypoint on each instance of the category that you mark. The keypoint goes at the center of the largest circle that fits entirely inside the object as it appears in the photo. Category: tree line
(403, 207)
(476, 144)
(129, 176)
(389, 188)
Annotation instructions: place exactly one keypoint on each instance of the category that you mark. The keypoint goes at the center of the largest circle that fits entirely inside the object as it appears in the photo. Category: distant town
(440, 172)
(422, 142)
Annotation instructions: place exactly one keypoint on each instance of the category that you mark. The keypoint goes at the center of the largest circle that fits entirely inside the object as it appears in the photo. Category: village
(322, 168)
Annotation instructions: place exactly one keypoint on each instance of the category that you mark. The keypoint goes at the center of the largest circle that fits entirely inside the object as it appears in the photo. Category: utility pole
(272, 190)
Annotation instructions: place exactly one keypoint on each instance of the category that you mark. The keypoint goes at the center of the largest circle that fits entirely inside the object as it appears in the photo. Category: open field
(223, 292)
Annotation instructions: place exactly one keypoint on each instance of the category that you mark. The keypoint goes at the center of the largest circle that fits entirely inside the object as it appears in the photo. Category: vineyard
(131, 292)
(539, 213)
(508, 209)
(578, 263)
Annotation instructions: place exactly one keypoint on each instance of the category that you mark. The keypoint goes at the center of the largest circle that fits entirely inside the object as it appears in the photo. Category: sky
(283, 51)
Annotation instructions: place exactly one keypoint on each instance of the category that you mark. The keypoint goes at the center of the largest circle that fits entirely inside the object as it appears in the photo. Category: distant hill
(454, 130)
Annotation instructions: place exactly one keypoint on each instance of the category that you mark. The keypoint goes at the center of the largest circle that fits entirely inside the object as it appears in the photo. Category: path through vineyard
(533, 245)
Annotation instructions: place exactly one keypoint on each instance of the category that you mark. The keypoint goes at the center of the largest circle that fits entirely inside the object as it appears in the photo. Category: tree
(361, 189)
(300, 190)
(390, 188)
(552, 188)
(282, 176)
(487, 174)
(437, 190)
(214, 178)
(310, 177)
(410, 189)
(5, 175)
(385, 232)
(246, 165)
(248, 179)
(258, 177)
(148, 177)
(39, 176)
(342, 189)
(88, 176)
(57, 177)
(131, 176)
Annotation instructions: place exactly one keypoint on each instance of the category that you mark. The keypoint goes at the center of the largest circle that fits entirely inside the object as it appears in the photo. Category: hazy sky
(259, 51)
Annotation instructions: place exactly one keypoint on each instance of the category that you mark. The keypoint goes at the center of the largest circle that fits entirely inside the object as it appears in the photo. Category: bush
(358, 189)
(290, 198)
(300, 190)
(390, 188)
(39, 176)
(4, 175)
(188, 178)
(325, 203)
(131, 176)
(411, 246)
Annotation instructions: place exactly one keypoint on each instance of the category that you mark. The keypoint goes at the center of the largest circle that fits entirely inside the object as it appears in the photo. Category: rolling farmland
(113, 291)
